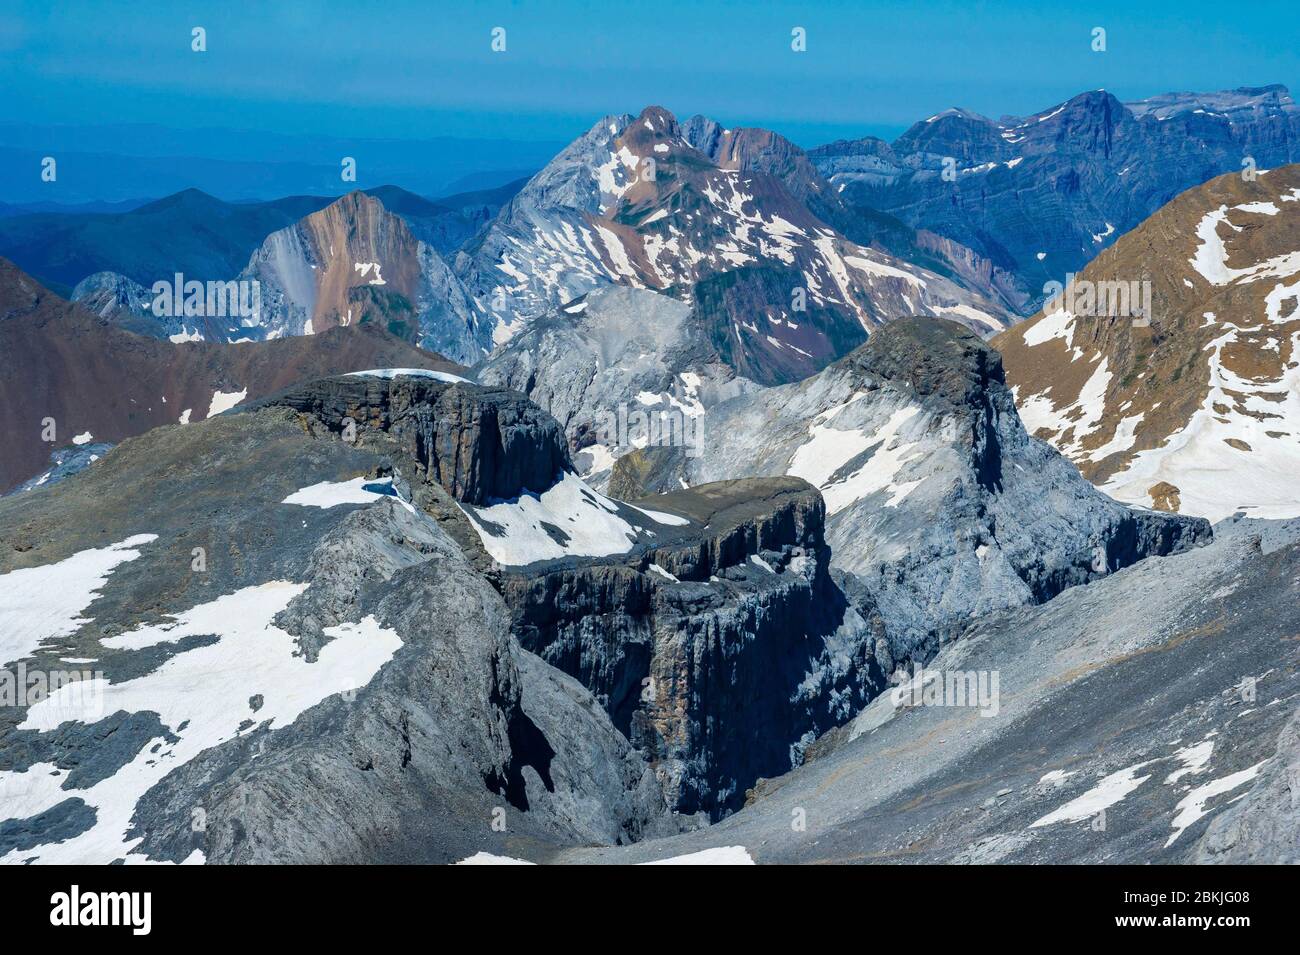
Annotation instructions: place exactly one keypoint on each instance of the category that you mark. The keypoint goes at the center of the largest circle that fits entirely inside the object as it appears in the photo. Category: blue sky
(425, 69)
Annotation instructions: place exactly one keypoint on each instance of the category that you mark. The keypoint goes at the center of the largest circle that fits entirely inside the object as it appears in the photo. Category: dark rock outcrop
(480, 444)
(717, 653)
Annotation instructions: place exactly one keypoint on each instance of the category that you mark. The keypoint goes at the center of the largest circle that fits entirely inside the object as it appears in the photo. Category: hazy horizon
(276, 95)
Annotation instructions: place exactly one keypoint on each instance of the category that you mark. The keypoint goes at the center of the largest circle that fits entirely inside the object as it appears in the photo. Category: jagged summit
(736, 223)
(1039, 196)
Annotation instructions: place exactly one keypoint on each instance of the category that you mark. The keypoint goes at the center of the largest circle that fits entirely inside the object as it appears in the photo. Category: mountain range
(700, 499)
(1039, 196)
(204, 237)
(641, 665)
(633, 202)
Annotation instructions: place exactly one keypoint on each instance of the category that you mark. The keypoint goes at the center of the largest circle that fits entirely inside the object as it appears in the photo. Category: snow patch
(581, 522)
(1109, 792)
(1192, 806)
(225, 400)
(40, 603)
(391, 373)
(201, 696)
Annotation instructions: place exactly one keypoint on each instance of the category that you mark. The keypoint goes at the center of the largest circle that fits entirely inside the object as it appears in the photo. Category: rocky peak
(480, 444)
(966, 136)
(744, 229)
(931, 358)
(356, 262)
(751, 149)
(866, 146)
(1245, 101)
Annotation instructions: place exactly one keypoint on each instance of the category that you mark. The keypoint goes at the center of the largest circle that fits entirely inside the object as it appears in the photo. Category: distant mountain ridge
(93, 381)
(208, 238)
(1040, 196)
(634, 202)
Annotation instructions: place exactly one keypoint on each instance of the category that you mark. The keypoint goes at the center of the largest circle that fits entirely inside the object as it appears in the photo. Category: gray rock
(607, 364)
(937, 500)
(1264, 827)
(737, 614)
(64, 463)
(478, 443)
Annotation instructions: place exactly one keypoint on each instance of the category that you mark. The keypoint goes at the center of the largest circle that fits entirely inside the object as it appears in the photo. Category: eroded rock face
(480, 444)
(715, 638)
(461, 725)
(1137, 677)
(353, 262)
(721, 653)
(608, 361)
(937, 499)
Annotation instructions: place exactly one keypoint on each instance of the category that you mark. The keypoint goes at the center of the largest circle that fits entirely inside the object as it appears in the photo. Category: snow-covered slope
(632, 202)
(1199, 411)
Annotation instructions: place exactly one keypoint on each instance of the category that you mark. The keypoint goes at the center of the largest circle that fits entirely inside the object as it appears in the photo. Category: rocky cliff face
(479, 444)
(718, 653)
(1121, 730)
(1039, 196)
(679, 616)
(938, 502)
(354, 694)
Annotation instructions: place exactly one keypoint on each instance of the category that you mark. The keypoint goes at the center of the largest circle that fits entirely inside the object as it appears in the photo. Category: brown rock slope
(93, 381)
(353, 263)
(1199, 410)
